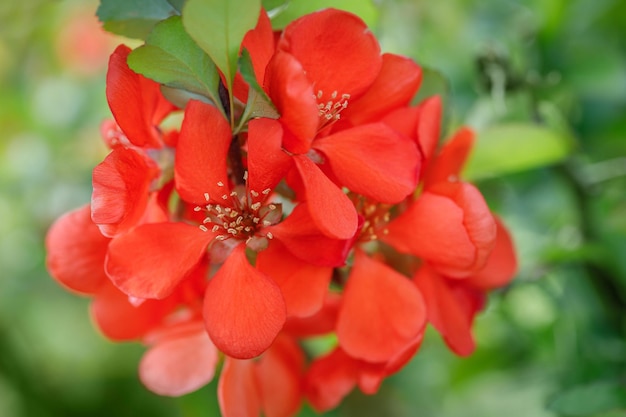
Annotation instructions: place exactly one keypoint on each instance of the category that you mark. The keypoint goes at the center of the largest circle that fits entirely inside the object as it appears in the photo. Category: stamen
(203, 228)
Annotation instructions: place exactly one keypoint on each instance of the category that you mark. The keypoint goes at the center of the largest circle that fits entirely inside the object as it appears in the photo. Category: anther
(203, 228)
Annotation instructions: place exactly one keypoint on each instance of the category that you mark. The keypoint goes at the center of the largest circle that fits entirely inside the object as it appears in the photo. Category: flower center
(330, 111)
(376, 216)
(241, 214)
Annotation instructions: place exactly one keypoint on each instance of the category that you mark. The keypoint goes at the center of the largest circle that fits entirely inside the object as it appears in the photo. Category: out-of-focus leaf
(133, 18)
(512, 147)
(177, 4)
(433, 83)
(297, 8)
(590, 400)
(218, 27)
(172, 58)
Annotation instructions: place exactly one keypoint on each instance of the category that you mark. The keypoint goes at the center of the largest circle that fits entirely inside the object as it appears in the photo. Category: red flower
(453, 303)
(123, 182)
(449, 225)
(310, 79)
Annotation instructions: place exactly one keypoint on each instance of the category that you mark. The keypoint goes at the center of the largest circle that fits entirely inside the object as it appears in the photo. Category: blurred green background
(544, 84)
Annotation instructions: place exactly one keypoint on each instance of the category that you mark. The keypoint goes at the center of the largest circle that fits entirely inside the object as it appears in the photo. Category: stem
(236, 162)
(234, 151)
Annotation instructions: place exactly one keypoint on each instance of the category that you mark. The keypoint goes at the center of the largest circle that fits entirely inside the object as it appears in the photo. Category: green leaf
(590, 400)
(172, 58)
(218, 27)
(259, 104)
(133, 18)
(512, 147)
(297, 8)
(177, 4)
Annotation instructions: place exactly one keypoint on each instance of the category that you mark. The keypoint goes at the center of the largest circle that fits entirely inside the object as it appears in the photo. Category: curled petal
(292, 94)
(449, 226)
(373, 160)
(382, 312)
(267, 162)
(501, 264)
(243, 309)
(201, 154)
(135, 101)
(179, 363)
(150, 260)
(121, 187)
(76, 251)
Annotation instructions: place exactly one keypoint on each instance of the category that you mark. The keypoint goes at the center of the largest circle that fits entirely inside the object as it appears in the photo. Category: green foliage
(293, 9)
(512, 147)
(259, 104)
(218, 27)
(133, 18)
(551, 344)
(590, 400)
(172, 58)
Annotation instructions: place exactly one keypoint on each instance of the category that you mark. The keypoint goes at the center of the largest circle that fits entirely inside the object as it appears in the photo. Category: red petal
(119, 320)
(121, 186)
(403, 121)
(373, 160)
(449, 162)
(322, 322)
(395, 86)
(135, 101)
(292, 94)
(337, 51)
(179, 364)
(391, 318)
(501, 265)
(371, 375)
(150, 260)
(303, 239)
(446, 311)
(238, 391)
(450, 227)
(331, 210)
(429, 125)
(267, 162)
(260, 44)
(302, 285)
(279, 376)
(243, 309)
(76, 251)
(329, 379)
(201, 155)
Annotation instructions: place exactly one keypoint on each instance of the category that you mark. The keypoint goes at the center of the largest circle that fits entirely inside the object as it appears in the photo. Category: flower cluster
(237, 236)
